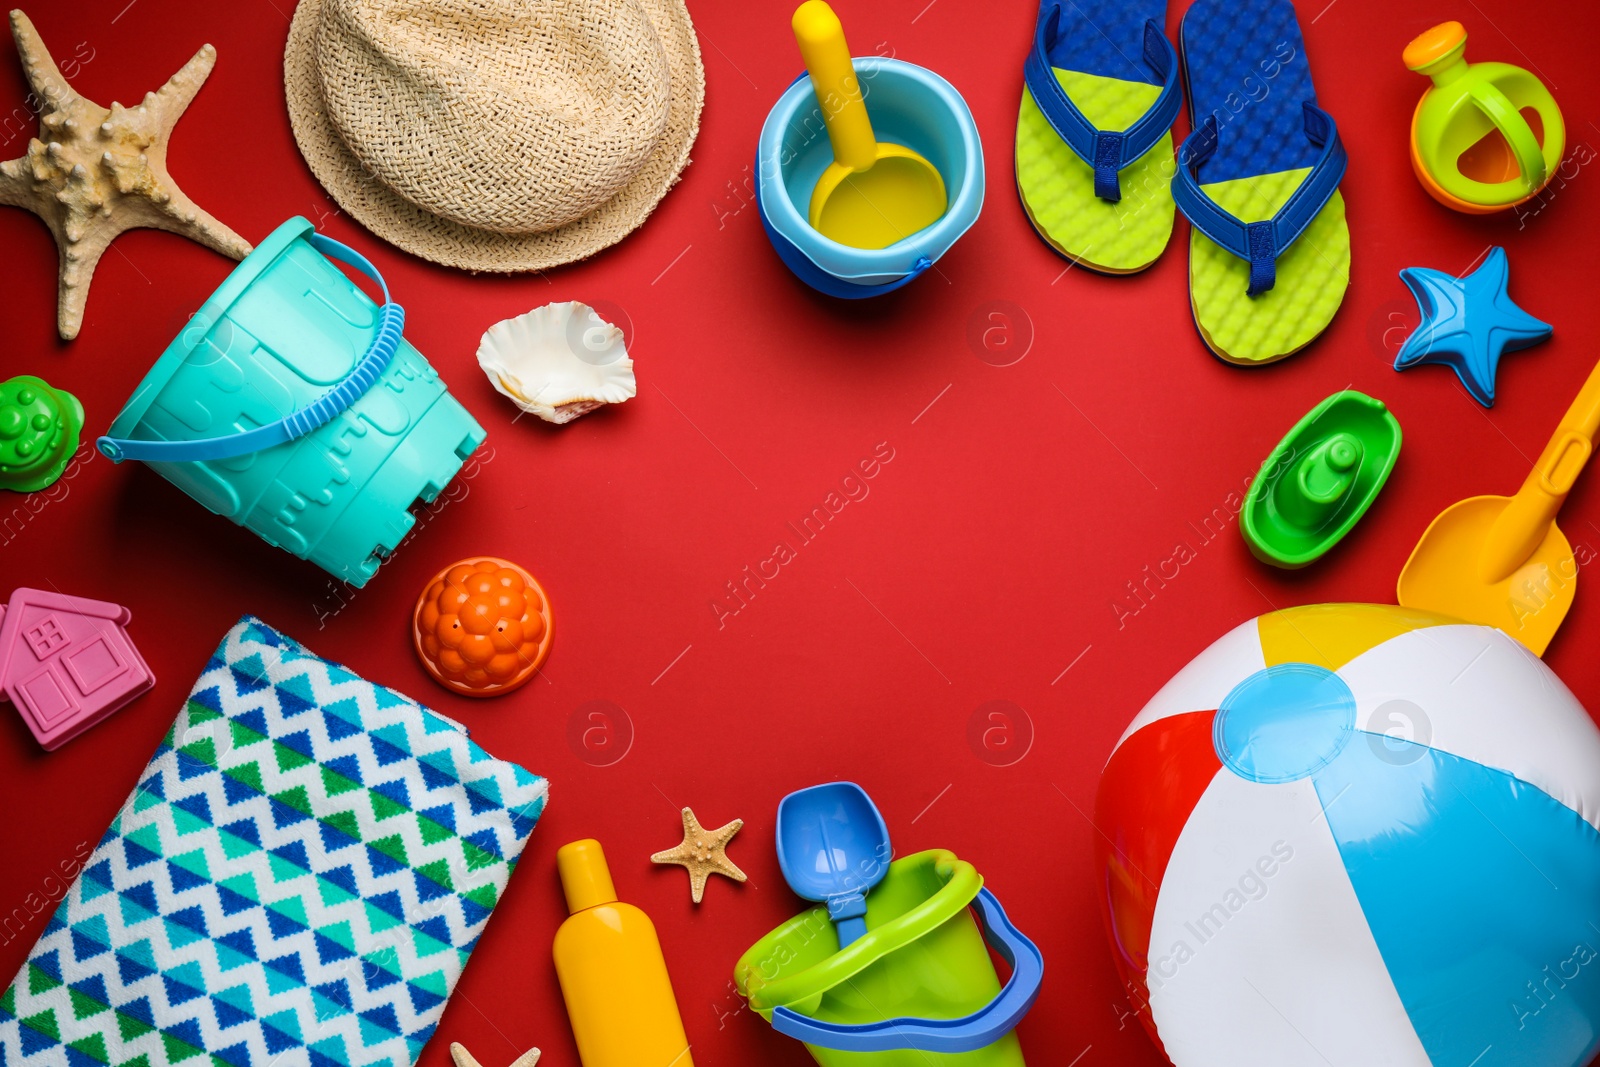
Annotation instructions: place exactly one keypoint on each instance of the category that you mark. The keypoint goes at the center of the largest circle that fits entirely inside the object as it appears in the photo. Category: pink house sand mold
(66, 662)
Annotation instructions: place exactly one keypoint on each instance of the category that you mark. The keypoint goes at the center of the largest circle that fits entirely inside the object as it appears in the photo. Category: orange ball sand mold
(482, 627)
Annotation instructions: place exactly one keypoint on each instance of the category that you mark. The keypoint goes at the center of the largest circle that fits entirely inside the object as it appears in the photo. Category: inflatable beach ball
(1351, 836)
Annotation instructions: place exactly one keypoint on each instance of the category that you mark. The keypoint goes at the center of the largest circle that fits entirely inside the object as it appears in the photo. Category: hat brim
(440, 240)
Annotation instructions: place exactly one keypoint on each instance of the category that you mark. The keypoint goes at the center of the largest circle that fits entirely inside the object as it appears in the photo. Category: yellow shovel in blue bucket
(874, 193)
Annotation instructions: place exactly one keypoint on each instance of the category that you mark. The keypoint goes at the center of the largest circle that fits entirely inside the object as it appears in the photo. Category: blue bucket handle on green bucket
(966, 1034)
(391, 324)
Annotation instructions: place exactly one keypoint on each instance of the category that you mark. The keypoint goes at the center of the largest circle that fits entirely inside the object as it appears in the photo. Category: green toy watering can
(1487, 136)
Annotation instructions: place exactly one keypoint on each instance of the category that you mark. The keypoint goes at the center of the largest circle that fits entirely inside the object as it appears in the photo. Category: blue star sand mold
(1468, 323)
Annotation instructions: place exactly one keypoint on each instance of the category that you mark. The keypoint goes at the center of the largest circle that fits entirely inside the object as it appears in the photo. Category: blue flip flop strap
(1106, 151)
(391, 324)
(1260, 242)
(949, 1036)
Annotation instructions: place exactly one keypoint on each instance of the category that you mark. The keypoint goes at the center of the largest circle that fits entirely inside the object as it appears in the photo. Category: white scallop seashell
(558, 361)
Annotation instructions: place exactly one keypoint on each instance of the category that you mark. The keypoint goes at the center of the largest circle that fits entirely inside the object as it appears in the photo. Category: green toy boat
(1320, 479)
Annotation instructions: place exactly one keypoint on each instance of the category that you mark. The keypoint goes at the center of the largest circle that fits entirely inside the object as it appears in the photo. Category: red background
(984, 563)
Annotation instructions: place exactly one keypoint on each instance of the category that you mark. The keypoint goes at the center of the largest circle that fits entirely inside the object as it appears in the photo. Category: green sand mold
(39, 430)
(1320, 480)
(1057, 187)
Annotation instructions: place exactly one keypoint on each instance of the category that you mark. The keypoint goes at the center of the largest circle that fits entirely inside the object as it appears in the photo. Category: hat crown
(512, 116)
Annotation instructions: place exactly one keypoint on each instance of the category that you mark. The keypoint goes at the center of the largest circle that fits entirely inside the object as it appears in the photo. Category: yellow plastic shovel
(873, 193)
(1502, 561)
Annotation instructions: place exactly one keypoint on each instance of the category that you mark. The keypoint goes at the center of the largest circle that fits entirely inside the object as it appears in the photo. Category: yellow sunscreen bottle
(613, 976)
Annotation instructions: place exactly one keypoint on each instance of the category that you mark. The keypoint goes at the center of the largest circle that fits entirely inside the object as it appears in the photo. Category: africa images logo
(853, 488)
(1252, 885)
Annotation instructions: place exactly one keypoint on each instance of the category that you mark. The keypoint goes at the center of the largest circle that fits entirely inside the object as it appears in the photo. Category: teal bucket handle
(391, 324)
(966, 1034)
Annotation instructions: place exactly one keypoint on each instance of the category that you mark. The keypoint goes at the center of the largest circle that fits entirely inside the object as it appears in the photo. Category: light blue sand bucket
(292, 405)
(909, 105)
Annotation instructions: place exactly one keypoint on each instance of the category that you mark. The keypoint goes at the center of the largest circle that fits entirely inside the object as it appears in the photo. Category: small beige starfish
(94, 173)
(703, 852)
(464, 1058)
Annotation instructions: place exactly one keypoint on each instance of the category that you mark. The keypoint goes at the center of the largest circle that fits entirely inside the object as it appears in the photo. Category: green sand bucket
(292, 405)
(917, 989)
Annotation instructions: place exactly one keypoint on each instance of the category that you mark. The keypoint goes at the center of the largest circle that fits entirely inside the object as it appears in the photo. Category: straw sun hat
(495, 135)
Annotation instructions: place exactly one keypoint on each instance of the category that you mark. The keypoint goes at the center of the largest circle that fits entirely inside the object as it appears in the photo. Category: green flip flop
(1094, 143)
(1269, 253)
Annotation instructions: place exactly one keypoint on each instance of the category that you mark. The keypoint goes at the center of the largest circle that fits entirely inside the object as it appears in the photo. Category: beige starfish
(464, 1058)
(94, 173)
(703, 852)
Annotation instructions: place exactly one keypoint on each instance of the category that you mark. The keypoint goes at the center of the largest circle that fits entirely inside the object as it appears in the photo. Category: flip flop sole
(1057, 187)
(1312, 276)
(1245, 62)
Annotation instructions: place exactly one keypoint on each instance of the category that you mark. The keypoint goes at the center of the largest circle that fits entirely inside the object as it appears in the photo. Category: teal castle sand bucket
(292, 405)
(918, 989)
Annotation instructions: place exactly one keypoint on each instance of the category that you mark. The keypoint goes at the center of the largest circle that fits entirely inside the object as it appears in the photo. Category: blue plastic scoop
(833, 847)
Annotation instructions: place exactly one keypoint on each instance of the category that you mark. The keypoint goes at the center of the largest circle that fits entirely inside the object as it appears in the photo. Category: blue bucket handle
(807, 271)
(983, 1027)
(391, 323)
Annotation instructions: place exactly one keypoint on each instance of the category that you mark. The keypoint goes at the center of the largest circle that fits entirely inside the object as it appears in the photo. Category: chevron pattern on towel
(299, 878)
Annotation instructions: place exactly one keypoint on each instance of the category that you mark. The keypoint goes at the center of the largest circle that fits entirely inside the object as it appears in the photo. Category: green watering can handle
(1514, 128)
(391, 323)
(983, 1027)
